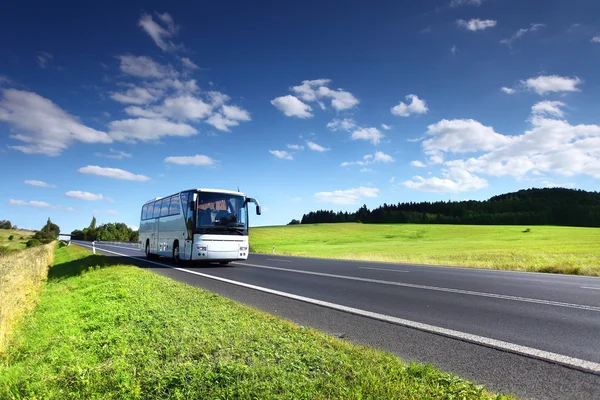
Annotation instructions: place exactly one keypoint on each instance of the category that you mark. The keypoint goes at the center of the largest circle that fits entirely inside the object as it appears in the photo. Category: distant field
(17, 243)
(543, 249)
(107, 331)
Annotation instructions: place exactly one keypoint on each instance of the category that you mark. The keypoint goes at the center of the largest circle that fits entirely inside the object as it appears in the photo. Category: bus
(197, 225)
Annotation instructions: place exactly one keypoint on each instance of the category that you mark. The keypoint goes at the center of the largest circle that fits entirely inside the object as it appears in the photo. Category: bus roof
(233, 192)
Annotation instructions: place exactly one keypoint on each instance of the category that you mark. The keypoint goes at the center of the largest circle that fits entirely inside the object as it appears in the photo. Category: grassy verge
(543, 249)
(115, 331)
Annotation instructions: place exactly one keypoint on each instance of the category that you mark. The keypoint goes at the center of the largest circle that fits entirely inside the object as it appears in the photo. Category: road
(535, 335)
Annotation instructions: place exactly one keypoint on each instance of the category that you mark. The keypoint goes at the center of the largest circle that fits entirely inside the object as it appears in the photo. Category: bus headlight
(201, 248)
(243, 248)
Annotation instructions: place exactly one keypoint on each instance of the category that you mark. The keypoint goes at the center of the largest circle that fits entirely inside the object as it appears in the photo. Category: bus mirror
(251, 200)
(257, 210)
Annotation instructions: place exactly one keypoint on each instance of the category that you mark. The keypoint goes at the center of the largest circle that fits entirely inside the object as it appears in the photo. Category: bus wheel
(176, 258)
(148, 255)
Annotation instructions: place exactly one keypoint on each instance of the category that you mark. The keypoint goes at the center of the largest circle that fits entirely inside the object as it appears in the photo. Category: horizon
(302, 106)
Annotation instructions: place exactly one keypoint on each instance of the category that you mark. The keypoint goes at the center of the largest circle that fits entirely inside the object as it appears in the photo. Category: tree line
(550, 206)
(118, 232)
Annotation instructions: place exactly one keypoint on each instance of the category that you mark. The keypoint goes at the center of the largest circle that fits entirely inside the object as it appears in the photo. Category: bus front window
(221, 213)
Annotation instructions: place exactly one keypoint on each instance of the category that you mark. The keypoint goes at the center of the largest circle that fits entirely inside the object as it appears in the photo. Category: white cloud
(386, 127)
(378, 157)
(114, 154)
(454, 181)
(456, 3)
(349, 196)
(33, 203)
(282, 154)
(295, 147)
(315, 147)
(181, 87)
(548, 108)
(462, 136)
(159, 33)
(454, 49)
(42, 125)
(371, 134)
(521, 32)
(235, 113)
(184, 108)
(136, 111)
(114, 173)
(392, 179)
(552, 83)
(346, 124)
(508, 90)
(290, 106)
(44, 58)
(146, 129)
(317, 90)
(198, 159)
(135, 95)
(476, 24)
(145, 67)
(416, 106)
(595, 39)
(220, 122)
(77, 194)
(39, 184)
(217, 98)
(188, 63)
(417, 163)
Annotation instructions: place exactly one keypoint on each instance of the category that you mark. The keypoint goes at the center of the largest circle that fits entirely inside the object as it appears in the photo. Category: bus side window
(155, 209)
(174, 207)
(164, 209)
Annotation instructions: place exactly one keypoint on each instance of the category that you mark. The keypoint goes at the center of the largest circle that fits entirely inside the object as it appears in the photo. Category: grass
(544, 248)
(17, 243)
(106, 331)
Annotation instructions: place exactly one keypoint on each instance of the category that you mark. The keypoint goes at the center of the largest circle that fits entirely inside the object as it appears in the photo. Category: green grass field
(104, 331)
(544, 249)
(17, 243)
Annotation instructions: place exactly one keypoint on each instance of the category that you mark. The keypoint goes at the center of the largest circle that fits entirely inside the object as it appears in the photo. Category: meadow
(109, 331)
(20, 237)
(555, 249)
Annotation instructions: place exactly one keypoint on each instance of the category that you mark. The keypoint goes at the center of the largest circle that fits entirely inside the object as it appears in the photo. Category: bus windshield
(221, 213)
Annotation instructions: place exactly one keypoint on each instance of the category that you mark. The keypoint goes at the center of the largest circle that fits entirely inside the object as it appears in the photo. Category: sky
(302, 105)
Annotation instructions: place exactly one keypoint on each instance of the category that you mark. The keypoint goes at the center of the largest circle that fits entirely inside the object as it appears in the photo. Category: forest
(118, 232)
(549, 206)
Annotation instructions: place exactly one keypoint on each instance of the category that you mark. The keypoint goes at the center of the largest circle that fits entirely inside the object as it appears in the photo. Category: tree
(93, 223)
(5, 224)
(294, 222)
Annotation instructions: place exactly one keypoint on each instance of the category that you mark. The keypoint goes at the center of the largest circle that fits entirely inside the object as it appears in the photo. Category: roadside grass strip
(103, 330)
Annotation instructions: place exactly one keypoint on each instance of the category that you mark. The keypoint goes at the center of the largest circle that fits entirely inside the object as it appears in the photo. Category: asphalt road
(535, 335)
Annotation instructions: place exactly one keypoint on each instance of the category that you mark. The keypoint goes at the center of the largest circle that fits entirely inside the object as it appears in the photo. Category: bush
(527, 230)
(4, 250)
(22, 237)
(11, 237)
(33, 243)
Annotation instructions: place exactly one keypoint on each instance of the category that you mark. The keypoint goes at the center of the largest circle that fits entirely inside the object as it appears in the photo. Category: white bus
(197, 224)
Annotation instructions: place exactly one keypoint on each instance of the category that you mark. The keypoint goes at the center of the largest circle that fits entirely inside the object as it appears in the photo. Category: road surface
(535, 335)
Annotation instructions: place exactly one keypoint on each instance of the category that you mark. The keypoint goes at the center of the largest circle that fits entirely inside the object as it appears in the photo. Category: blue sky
(305, 106)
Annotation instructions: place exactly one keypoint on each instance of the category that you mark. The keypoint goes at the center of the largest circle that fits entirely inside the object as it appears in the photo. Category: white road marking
(383, 269)
(119, 247)
(584, 365)
(435, 288)
(590, 287)
(275, 259)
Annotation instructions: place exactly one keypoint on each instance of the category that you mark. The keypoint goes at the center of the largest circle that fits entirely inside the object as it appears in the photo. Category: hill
(549, 206)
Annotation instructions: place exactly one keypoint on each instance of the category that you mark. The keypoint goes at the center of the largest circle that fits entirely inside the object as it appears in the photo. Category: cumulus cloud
(184, 108)
(42, 125)
(346, 124)
(135, 95)
(476, 24)
(595, 39)
(295, 147)
(315, 90)
(221, 122)
(454, 180)
(145, 67)
(160, 33)
(461, 136)
(456, 3)
(552, 83)
(282, 154)
(198, 159)
(87, 196)
(548, 108)
(39, 184)
(386, 127)
(372, 135)
(114, 154)
(33, 203)
(290, 106)
(418, 164)
(146, 129)
(315, 147)
(188, 63)
(521, 32)
(235, 113)
(508, 90)
(349, 196)
(416, 106)
(114, 173)
(43, 59)
(378, 157)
